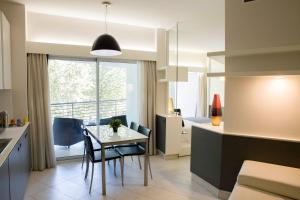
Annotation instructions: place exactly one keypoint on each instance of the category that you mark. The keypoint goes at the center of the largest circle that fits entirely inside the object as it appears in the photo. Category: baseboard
(221, 194)
(167, 157)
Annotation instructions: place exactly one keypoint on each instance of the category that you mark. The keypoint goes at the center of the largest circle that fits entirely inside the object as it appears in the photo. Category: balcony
(86, 110)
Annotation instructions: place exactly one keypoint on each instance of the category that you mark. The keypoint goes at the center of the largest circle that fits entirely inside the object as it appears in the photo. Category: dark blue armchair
(67, 131)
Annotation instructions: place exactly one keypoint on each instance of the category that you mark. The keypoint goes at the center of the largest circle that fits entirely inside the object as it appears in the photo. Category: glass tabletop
(105, 135)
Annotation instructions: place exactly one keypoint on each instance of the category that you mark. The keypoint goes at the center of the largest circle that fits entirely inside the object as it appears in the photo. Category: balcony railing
(87, 110)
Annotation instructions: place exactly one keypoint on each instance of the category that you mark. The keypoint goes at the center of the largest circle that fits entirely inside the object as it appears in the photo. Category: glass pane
(217, 64)
(172, 37)
(72, 95)
(118, 90)
(188, 89)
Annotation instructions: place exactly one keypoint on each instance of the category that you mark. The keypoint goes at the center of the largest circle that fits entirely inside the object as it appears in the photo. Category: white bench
(263, 181)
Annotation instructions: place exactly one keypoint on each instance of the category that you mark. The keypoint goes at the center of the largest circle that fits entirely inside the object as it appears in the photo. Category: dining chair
(95, 157)
(134, 126)
(96, 147)
(105, 121)
(136, 149)
(123, 119)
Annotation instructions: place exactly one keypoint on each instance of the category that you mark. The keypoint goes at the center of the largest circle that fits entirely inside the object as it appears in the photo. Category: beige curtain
(42, 148)
(148, 99)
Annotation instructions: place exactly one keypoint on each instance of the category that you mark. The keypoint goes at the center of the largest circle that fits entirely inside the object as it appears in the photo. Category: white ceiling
(203, 21)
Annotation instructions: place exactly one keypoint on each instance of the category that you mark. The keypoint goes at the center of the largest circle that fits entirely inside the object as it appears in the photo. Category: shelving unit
(166, 74)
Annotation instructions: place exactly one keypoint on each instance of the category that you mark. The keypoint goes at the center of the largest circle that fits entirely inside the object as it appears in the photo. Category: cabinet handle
(20, 145)
(26, 134)
(18, 148)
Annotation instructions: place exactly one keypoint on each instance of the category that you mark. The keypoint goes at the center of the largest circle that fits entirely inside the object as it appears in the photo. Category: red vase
(216, 111)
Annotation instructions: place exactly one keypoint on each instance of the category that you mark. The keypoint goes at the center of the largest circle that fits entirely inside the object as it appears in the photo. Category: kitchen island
(217, 156)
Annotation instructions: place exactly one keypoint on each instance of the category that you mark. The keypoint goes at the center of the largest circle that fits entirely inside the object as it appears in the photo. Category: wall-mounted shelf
(215, 74)
(270, 50)
(264, 73)
(166, 74)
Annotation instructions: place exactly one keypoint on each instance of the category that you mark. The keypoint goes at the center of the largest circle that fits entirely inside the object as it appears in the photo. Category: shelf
(215, 74)
(246, 52)
(264, 73)
(166, 74)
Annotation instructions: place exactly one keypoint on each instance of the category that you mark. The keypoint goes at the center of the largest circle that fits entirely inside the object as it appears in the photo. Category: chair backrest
(89, 147)
(145, 131)
(178, 110)
(67, 131)
(134, 126)
(105, 121)
(123, 119)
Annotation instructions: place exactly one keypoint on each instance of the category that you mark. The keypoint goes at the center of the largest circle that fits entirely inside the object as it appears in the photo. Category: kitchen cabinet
(15, 172)
(5, 53)
(19, 167)
(4, 181)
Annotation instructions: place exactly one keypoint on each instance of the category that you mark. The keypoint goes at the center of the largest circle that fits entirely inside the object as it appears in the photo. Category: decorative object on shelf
(216, 111)
(26, 120)
(12, 123)
(105, 44)
(115, 124)
(170, 105)
(19, 123)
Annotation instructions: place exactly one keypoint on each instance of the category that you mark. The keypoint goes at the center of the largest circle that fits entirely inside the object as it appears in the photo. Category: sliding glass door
(91, 90)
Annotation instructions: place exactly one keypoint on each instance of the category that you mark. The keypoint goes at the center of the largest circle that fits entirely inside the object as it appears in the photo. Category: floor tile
(171, 180)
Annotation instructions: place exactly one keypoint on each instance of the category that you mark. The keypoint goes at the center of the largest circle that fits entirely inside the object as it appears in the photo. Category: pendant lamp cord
(106, 18)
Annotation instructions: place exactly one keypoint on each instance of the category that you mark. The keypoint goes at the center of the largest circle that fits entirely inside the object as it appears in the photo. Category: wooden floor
(171, 180)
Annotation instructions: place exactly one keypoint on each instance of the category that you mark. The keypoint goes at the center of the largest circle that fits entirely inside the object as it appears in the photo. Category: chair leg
(92, 178)
(122, 169)
(131, 159)
(150, 168)
(115, 167)
(87, 167)
(83, 157)
(140, 162)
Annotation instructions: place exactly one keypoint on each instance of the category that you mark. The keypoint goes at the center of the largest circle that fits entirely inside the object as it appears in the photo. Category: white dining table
(105, 136)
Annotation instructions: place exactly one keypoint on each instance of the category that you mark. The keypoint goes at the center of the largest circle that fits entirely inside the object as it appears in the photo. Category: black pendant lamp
(106, 45)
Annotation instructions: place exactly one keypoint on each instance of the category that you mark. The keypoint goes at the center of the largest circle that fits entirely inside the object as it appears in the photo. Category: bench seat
(262, 180)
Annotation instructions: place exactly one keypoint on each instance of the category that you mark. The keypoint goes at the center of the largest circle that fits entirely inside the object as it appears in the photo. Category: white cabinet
(5, 53)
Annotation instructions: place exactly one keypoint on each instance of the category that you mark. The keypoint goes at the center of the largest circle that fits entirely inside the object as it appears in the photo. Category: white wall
(83, 51)
(15, 14)
(261, 24)
(264, 36)
(63, 30)
(268, 106)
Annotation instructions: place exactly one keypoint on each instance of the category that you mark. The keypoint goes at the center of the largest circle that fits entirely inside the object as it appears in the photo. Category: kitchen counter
(220, 130)
(14, 134)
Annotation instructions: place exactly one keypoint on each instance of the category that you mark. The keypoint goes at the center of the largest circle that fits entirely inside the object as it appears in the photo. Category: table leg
(146, 164)
(103, 170)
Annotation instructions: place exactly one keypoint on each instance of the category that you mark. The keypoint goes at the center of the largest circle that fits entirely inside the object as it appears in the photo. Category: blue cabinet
(19, 167)
(4, 181)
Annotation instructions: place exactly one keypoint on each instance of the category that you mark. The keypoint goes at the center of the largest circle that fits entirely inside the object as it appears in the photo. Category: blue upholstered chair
(106, 121)
(134, 126)
(123, 119)
(67, 131)
(136, 149)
